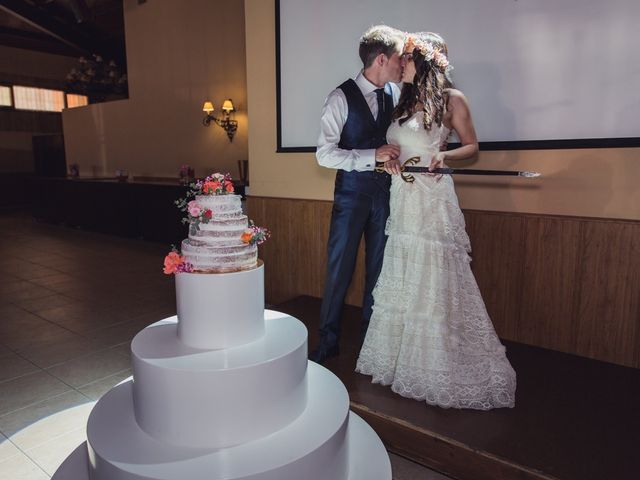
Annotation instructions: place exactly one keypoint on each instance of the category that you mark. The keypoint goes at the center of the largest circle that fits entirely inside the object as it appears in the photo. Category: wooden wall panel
(608, 303)
(570, 284)
(296, 256)
(497, 263)
(550, 253)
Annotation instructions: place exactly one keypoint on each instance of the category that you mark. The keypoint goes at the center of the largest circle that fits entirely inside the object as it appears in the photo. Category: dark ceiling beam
(11, 37)
(39, 19)
(71, 35)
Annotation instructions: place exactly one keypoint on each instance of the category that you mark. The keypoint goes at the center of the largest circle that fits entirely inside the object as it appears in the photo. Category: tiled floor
(70, 303)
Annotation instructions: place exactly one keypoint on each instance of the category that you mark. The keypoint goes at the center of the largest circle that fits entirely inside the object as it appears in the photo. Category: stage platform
(575, 418)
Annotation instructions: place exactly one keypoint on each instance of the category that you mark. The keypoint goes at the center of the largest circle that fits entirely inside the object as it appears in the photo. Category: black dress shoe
(322, 353)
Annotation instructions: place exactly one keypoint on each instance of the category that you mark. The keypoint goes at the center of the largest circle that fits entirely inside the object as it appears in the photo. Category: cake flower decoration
(195, 209)
(214, 184)
(197, 215)
(255, 235)
(175, 263)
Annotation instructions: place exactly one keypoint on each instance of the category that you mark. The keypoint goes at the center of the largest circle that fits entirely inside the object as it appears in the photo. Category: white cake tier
(321, 444)
(221, 231)
(221, 204)
(220, 310)
(208, 257)
(218, 398)
(368, 459)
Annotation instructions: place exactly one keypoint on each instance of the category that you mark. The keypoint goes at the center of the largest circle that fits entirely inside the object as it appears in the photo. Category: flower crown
(428, 51)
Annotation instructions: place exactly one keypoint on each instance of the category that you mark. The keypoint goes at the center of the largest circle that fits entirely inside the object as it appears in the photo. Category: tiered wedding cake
(224, 390)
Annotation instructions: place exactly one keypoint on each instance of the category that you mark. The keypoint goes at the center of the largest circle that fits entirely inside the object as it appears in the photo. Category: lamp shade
(208, 107)
(227, 106)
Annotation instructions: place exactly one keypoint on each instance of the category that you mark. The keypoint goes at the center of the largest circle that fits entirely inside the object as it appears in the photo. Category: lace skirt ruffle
(430, 336)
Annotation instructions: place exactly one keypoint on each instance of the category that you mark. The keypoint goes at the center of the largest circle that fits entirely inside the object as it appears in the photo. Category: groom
(354, 122)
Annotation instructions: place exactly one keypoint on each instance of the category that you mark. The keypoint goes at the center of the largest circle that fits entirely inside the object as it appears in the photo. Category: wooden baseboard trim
(441, 453)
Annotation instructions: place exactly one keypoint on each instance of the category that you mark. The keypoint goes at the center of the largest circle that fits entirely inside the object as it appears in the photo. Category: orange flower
(247, 236)
(228, 186)
(171, 263)
(210, 187)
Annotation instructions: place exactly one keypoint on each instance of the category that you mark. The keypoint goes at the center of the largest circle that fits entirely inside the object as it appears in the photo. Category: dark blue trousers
(360, 207)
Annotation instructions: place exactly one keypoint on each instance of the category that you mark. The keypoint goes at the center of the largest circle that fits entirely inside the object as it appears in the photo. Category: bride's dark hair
(431, 79)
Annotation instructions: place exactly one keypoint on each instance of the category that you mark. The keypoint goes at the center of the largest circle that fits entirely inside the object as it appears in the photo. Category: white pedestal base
(368, 459)
(218, 398)
(220, 310)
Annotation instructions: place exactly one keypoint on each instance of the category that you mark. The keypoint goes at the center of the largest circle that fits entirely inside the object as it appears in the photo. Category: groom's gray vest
(362, 131)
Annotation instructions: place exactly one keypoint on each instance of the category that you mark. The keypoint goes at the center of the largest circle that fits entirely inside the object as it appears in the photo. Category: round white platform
(220, 310)
(312, 447)
(368, 459)
(218, 398)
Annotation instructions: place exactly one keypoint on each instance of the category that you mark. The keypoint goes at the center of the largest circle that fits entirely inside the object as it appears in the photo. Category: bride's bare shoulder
(456, 99)
(455, 95)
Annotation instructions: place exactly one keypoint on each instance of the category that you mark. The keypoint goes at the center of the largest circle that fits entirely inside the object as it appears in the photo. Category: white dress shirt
(333, 119)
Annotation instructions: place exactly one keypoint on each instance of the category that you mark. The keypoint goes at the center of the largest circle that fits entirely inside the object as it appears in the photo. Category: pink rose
(194, 208)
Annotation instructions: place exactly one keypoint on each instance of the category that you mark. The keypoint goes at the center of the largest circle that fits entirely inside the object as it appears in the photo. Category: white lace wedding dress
(430, 336)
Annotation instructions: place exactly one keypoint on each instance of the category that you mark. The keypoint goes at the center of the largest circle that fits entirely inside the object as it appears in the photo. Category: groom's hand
(387, 152)
(392, 167)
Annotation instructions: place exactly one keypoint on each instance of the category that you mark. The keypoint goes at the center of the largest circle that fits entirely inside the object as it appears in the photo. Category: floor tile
(34, 425)
(13, 287)
(50, 455)
(86, 323)
(95, 390)
(52, 301)
(11, 312)
(89, 368)
(55, 425)
(7, 277)
(52, 280)
(29, 389)
(59, 348)
(20, 333)
(33, 292)
(13, 366)
(21, 467)
(32, 271)
(118, 334)
(123, 349)
(7, 449)
(52, 261)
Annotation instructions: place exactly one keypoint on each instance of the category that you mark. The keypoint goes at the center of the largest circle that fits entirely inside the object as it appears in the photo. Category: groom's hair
(380, 39)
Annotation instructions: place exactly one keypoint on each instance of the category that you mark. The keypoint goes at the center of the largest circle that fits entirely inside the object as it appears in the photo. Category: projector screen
(537, 73)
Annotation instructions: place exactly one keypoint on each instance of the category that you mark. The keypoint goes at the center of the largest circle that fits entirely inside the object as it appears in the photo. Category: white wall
(178, 55)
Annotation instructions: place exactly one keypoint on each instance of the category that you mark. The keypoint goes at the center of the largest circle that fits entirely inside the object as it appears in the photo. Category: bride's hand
(437, 162)
(392, 167)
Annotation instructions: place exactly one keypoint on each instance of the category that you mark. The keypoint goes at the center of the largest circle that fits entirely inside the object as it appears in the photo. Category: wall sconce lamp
(225, 121)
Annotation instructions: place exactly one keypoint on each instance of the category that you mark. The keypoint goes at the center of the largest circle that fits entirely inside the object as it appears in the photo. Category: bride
(430, 336)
